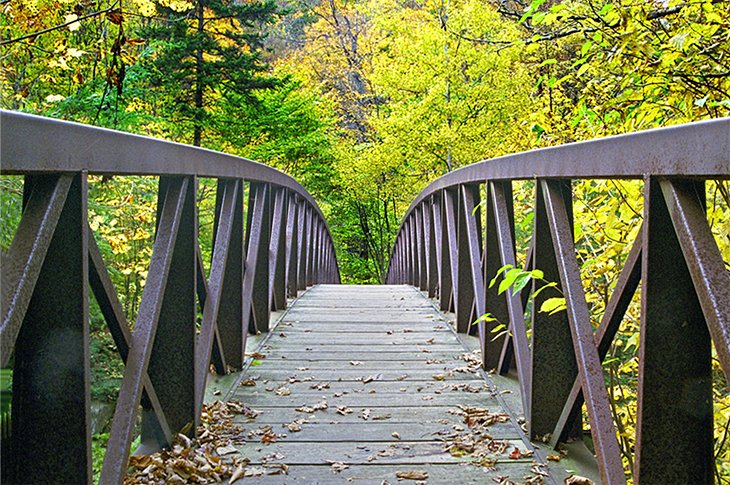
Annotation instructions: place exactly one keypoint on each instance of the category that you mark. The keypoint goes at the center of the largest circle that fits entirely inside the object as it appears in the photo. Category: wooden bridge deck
(363, 384)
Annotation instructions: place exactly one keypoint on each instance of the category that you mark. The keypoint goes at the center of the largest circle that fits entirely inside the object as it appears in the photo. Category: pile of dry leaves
(210, 458)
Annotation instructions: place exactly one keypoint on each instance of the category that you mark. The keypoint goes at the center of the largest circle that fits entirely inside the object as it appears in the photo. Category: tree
(204, 54)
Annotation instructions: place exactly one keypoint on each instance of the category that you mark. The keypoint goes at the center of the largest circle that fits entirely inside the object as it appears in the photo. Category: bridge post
(277, 250)
(50, 408)
(554, 367)
(433, 269)
(465, 295)
(259, 199)
(449, 281)
(230, 310)
(292, 245)
(172, 361)
(674, 430)
(423, 247)
(495, 303)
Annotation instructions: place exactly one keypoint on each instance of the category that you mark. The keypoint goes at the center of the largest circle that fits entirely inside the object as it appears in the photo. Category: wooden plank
(366, 399)
(361, 355)
(373, 365)
(369, 431)
(354, 375)
(286, 346)
(462, 473)
(428, 414)
(334, 387)
(400, 453)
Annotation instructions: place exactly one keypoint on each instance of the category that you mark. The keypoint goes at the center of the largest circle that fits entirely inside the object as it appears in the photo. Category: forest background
(365, 102)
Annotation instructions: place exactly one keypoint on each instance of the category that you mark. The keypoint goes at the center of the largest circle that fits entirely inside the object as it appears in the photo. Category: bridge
(404, 381)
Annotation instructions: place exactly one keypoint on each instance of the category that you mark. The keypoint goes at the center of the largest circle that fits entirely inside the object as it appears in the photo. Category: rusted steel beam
(261, 293)
(499, 208)
(450, 244)
(471, 230)
(554, 364)
(704, 261)
(21, 266)
(217, 358)
(618, 303)
(115, 461)
(106, 297)
(603, 431)
(216, 284)
(434, 249)
(50, 400)
(423, 236)
(277, 251)
(258, 199)
(674, 441)
(171, 367)
(292, 243)
(229, 322)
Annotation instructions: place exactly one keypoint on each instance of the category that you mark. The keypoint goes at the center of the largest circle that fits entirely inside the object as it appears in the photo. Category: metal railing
(451, 246)
(54, 260)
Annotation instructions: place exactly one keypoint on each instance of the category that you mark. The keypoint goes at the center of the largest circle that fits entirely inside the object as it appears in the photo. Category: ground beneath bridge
(369, 384)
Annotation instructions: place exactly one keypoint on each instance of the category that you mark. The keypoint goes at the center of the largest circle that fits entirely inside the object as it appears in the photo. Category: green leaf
(548, 62)
(552, 284)
(487, 317)
(552, 306)
(520, 282)
(509, 278)
(499, 272)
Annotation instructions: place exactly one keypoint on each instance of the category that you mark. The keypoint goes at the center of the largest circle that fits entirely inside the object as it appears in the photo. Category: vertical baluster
(431, 245)
(277, 251)
(225, 263)
(292, 245)
(50, 409)
(172, 362)
(260, 306)
(674, 442)
(496, 304)
(175, 210)
(450, 246)
(309, 254)
(302, 246)
(422, 247)
(230, 316)
(554, 367)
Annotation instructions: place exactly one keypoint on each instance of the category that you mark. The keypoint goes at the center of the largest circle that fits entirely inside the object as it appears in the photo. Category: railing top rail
(35, 144)
(700, 149)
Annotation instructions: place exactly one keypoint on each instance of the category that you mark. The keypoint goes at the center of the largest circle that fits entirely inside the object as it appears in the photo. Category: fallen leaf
(395, 435)
(276, 469)
(226, 450)
(365, 414)
(337, 466)
(238, 473)
(248, 382)
(554, 457)
(343, 410)
(578, 480)
(412, 475)
(439, 377)
(367, 379)
(355, 362)
(254, 472)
